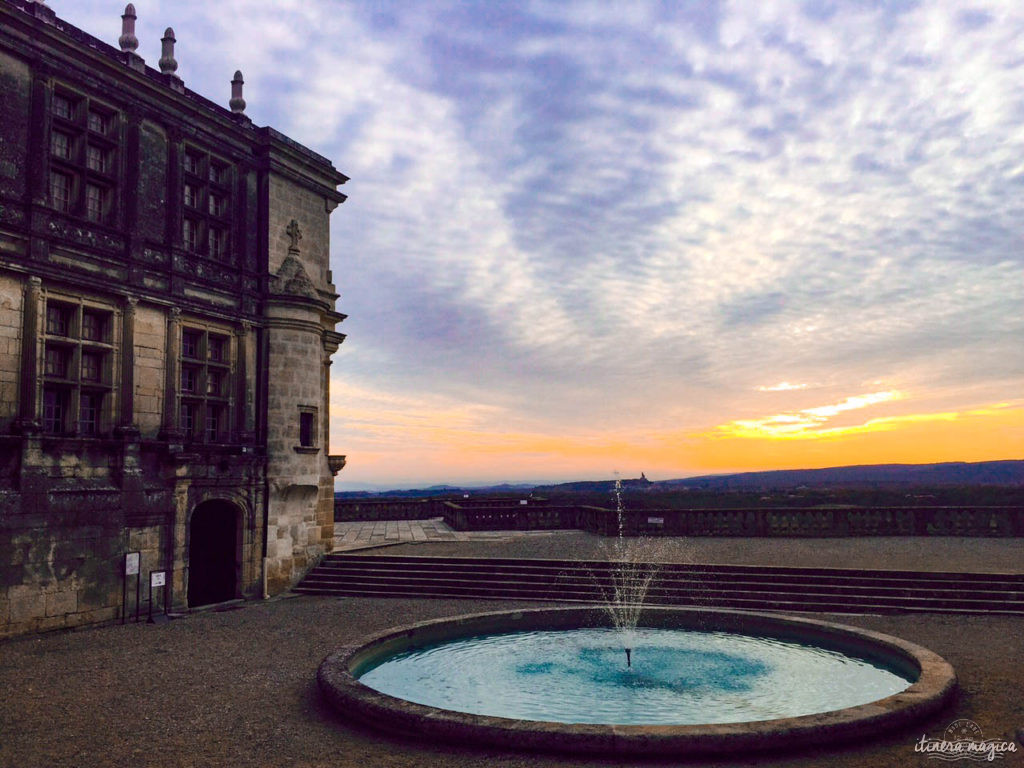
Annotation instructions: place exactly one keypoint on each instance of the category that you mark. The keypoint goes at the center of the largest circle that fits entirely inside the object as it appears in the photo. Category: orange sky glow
(467, 444)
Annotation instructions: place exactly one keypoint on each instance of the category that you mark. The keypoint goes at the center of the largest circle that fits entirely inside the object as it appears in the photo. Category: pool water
(677, 677)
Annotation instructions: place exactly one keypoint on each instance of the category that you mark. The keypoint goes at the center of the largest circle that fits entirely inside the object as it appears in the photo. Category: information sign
(131, 564)
(157, 578)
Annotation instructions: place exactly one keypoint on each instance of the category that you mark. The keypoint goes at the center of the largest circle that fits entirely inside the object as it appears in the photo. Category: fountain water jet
(634, 568)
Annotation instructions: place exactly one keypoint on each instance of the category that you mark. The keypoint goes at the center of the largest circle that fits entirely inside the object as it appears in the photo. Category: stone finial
(237, 103)
(128, 41)
(168, 64)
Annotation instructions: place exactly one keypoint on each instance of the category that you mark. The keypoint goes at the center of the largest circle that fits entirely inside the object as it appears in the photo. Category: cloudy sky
(680, 238)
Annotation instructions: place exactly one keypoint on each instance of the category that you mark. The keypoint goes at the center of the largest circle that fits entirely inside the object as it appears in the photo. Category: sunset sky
(679, 238)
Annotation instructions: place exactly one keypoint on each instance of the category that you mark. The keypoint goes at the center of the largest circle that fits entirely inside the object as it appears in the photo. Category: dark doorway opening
(212, 558)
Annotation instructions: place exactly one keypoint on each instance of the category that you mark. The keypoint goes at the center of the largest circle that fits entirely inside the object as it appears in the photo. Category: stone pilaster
(244, 417)
(30, 332)
(170, 429)
(126, 420)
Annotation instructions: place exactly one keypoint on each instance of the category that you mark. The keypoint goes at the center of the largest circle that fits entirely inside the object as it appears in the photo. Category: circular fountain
(698, 682)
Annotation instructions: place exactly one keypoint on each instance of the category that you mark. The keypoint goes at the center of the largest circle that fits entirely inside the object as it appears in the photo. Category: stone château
(167, 320)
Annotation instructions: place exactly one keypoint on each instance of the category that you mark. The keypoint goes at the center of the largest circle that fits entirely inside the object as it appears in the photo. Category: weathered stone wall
(62, 552)
(150, 368)
(152, 182)
(64, 533)
(290, 201)
(15, 81)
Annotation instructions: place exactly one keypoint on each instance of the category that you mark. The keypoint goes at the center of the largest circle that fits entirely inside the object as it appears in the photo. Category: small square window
(60, 145)
(306, 429)
(96, 159)
(213, 422)
(58, 319)
(190, 343)
(218, 242)
(218, 173)
(92, 366)
(217, 348)
(193, 163)
(189, 379)
(95, 202)
(98, 122)
(55, 362)
(94, 325)
(60, 191)
(216, 205)
(89, 413)
(61, 106)
(55, 409)
(215, 383)
(188, 418)
(190, 235)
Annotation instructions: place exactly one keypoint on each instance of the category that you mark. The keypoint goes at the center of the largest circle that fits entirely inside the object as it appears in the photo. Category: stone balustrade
(775, 521)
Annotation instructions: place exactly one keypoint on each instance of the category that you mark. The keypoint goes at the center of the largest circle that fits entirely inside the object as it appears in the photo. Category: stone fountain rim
(929, 693)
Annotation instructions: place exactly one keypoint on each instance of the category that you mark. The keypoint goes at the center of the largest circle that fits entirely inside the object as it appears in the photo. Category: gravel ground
(908, 553)
(237, 688)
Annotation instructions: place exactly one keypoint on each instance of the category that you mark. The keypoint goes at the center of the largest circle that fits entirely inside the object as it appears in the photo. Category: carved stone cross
(294, 235)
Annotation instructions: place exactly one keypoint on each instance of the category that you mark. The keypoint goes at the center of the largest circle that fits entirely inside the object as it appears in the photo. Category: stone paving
(432, 538)
(235, 686)
(354, 535)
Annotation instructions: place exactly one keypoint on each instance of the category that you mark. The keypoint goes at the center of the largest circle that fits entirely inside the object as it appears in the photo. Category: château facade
(167, 320)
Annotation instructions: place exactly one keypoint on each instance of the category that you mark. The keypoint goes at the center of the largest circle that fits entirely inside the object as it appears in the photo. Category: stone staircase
(831, 590)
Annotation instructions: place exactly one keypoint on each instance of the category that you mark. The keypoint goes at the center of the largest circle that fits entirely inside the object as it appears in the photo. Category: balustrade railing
(788, 521)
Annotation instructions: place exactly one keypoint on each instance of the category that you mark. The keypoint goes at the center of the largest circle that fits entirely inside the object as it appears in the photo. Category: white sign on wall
(131, 564)
(157, 578)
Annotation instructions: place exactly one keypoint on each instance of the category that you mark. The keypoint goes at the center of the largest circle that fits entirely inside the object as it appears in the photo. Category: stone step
(605, 585)
(789, 578)
(766, 592)
(743, 586)
(695, 577)
(732, 601)
(398, 562)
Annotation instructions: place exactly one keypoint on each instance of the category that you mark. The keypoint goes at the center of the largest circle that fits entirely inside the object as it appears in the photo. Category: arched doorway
(213, 546)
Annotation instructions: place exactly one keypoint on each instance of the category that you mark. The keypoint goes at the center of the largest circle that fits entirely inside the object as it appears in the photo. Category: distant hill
(435, 490)
(600, 486)
(868, 476)
(865, 476)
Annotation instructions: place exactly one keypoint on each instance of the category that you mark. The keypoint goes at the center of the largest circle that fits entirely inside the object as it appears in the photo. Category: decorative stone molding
(336, 464)
(291, 279)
